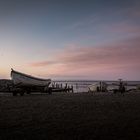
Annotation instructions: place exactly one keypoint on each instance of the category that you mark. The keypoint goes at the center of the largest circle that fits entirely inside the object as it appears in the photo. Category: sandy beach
(70, 116)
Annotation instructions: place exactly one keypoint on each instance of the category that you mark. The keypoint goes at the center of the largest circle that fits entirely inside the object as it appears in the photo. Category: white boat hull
(99, 86)
(27, 80)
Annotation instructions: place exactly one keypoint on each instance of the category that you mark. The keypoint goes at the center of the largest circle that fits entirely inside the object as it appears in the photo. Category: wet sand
(70, 116)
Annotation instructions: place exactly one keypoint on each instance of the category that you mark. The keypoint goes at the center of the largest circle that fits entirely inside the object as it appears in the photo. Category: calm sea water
(82, 86)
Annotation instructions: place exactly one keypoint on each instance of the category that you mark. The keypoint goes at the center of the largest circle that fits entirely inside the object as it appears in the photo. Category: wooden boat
(22, 79)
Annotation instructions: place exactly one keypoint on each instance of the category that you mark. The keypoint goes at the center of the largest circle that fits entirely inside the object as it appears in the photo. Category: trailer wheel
(50, 91)
(14, 93)
(115, 91)
(22, 93)
(28, 91)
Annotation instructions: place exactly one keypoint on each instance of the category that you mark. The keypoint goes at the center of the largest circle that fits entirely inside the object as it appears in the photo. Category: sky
(71, 39)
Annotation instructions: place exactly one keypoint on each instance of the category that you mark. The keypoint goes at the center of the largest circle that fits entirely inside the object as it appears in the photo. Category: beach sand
(70, 116)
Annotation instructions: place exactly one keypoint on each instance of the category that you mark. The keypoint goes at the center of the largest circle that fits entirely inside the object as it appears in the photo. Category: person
(98, 88)
(121, 87)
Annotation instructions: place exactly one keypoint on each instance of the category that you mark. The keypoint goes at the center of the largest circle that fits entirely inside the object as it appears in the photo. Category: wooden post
(66, 87)
(72, 88)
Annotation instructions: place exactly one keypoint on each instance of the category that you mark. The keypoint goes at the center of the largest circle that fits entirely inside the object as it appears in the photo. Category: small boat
(22, 79)
(112, 87)
(96, 87)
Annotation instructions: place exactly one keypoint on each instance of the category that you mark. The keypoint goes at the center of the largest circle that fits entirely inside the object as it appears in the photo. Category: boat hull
(27, 80)
(99, 86)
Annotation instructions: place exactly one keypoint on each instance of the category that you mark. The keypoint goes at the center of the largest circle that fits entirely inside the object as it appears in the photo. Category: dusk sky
(71, 39)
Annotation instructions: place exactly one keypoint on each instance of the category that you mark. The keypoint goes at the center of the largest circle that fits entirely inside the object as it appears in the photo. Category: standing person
(121, 86)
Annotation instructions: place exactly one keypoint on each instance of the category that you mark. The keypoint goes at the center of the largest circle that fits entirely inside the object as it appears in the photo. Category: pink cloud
(124, 50)
(42, 63)
(134, 11)
(124, 27)
(118, 58)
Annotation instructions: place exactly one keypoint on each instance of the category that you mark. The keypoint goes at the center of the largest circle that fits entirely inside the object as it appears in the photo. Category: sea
(82, 85)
